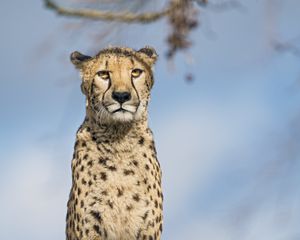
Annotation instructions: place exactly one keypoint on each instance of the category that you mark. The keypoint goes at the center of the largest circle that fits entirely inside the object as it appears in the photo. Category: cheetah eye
(103, 75)
(136, 72)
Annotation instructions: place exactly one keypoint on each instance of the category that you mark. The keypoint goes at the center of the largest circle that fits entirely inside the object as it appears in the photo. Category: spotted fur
(116, 178)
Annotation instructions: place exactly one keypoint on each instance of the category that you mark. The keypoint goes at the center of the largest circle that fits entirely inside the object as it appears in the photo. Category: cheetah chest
(120, 193)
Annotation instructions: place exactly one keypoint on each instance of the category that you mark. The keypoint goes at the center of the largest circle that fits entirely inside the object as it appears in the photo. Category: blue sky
(228, 142)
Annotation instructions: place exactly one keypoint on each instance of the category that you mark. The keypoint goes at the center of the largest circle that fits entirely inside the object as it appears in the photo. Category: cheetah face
(117, 82)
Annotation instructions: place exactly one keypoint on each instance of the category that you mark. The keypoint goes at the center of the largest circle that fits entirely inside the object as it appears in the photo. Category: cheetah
(116, 189)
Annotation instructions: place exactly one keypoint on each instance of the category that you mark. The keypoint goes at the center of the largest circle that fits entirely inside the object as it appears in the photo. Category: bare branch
(109, 16)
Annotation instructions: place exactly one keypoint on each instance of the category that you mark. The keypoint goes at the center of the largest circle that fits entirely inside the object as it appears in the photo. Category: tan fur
(116, 191)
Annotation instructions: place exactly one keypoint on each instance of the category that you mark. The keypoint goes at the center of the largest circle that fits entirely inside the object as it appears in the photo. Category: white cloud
(197, 146)
(269, 222)
(33, 196)
(195, 143)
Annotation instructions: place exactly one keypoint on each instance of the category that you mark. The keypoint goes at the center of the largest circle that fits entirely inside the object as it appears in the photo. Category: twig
(109, 16)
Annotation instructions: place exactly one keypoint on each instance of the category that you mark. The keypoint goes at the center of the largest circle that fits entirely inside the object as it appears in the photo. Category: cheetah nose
(121, 97)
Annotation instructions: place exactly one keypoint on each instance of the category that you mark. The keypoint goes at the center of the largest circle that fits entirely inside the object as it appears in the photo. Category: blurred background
(225, 114)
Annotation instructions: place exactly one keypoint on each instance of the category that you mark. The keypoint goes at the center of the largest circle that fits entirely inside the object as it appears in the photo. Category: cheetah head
(117, 82)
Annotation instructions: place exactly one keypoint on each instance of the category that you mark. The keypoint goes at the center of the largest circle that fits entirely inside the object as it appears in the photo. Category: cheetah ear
(148, 54)
(78, 59)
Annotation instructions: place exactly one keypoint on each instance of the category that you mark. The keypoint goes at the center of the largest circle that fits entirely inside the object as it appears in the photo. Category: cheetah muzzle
(116, 177)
